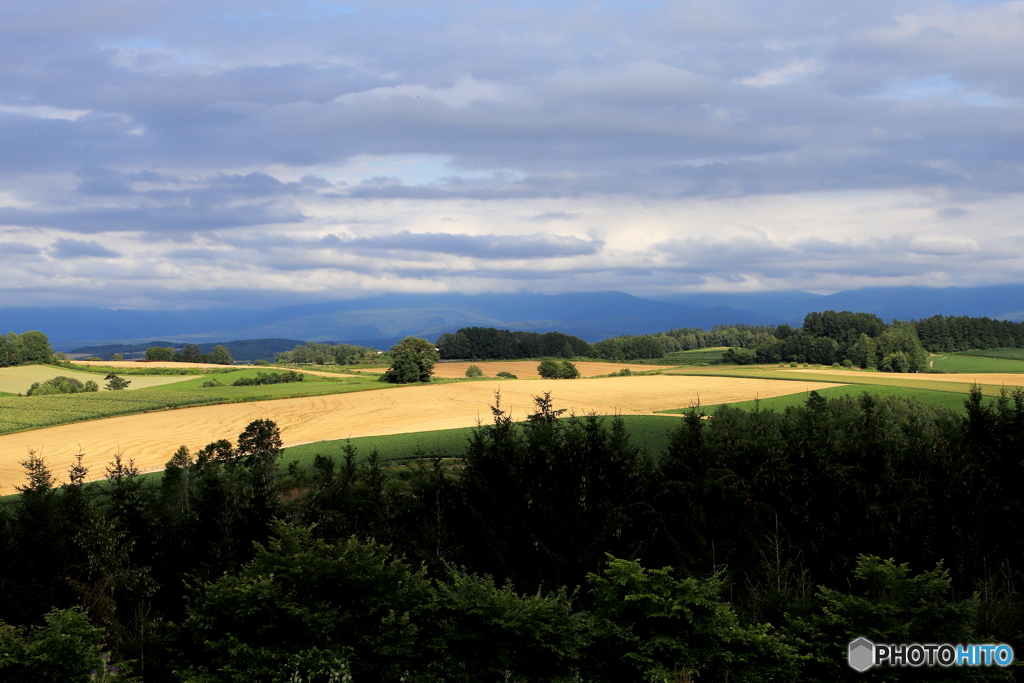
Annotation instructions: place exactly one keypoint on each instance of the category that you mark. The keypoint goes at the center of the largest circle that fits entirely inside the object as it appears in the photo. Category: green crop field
(1011, 353)
(695, 356)
(34, 412)
(969, 362)
(18, 379)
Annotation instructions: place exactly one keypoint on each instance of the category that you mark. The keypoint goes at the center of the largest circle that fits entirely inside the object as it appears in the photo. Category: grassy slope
(968, 362)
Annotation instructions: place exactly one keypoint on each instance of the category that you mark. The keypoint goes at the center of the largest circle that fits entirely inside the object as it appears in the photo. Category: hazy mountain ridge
(380, 320)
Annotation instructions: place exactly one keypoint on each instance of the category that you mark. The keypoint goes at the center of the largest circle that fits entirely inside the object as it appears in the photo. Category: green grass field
(17, 380)
(968, 362)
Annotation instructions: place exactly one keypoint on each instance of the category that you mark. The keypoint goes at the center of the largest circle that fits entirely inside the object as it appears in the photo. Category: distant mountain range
(381, 320)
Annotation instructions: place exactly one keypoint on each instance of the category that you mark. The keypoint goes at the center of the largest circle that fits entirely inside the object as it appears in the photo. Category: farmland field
(1011, 353)
(151, 438)
(697, 356)
(964, 362)
(17, 379)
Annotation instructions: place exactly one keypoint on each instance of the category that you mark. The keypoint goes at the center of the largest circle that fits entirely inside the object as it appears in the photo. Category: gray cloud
(17, 249)
(487, 247)
(72, 249)
(553, 216)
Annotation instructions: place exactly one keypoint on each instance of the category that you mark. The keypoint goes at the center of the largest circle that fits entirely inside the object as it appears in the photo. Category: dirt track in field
(150, 439)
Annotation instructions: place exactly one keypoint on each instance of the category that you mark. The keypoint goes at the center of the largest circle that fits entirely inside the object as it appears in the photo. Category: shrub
(61, 385)
(553, 369)
(506, 375)
(213, 383)
(474, 371)
(92, 358)
(262, 378)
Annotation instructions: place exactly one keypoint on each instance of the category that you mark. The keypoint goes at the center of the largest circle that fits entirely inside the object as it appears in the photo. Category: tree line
(328, 354)
(751, 549)
(488, 343)
(30, 347)
(944, 334)
(190, 353)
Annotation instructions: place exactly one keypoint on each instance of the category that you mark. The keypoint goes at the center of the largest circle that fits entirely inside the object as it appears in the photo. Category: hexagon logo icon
(861, 656)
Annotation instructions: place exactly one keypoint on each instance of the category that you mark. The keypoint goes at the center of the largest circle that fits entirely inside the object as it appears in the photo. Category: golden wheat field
(151, 438)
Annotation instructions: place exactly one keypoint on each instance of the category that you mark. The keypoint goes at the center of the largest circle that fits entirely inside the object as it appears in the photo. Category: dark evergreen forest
(753, 549)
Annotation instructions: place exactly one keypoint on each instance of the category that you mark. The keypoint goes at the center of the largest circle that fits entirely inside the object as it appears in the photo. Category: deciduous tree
(412, 360)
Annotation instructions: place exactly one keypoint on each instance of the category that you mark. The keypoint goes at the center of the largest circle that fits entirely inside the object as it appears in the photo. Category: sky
(160, 154)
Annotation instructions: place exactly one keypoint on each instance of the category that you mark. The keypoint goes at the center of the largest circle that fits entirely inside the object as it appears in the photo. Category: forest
(754, 548)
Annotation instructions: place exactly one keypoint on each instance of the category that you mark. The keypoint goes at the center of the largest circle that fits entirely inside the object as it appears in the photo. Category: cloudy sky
(157, 153)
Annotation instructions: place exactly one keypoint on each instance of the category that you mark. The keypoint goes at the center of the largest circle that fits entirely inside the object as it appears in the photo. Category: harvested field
(151, 439)
(18, 379)
(527, 369)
